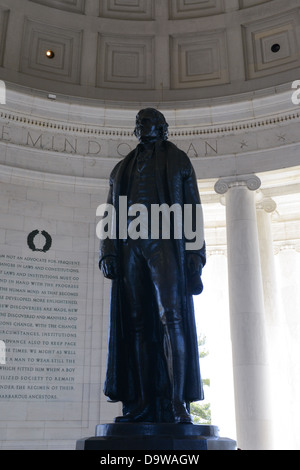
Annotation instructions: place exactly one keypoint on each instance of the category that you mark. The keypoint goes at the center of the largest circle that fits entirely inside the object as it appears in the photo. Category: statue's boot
(143, 412)
(175, 355)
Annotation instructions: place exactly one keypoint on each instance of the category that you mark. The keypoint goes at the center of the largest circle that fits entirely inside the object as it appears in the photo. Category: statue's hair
(160, 122)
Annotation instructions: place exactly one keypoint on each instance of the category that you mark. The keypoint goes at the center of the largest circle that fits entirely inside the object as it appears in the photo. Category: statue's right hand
(109, 267)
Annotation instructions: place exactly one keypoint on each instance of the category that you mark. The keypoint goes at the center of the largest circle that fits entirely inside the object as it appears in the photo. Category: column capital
(252, 182)
(266, 204)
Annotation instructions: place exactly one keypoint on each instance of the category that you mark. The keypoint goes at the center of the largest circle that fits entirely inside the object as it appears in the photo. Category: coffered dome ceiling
(150, 50)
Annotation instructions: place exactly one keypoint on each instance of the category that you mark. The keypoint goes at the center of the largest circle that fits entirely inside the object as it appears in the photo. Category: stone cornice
(178, 132)
(83, 140)
(214, 117)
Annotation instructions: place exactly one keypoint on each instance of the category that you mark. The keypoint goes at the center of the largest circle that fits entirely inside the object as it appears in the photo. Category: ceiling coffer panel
(272, 45)
(199, 60)
(4, 16)
(180, 9)
(125, 62)
(127, 9)
(252, 3)
(64, 45)
(76, 6)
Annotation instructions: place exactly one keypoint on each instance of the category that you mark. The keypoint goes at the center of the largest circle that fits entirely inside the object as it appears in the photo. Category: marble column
(219, 341)
(247, 314)
(288, 263)
(288, 259)
(275, 322)
(265, 208)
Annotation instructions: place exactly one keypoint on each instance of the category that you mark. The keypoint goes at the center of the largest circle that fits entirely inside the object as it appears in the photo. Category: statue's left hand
(109, 267)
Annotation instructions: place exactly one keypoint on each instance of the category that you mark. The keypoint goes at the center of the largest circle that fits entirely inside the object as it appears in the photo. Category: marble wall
(53, 311)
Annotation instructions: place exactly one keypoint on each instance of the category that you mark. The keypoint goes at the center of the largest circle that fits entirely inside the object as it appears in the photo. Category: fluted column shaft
(265, 207)
(247, 315)
(275, 323)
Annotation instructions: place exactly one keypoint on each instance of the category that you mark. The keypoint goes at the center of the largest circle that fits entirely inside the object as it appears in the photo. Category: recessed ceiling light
(275, 48)
(50, 54)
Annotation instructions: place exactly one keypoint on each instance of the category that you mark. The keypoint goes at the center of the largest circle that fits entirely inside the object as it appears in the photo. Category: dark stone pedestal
(161, 436)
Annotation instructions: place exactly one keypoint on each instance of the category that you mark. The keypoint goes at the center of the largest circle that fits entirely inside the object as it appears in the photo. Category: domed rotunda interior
(73, 76)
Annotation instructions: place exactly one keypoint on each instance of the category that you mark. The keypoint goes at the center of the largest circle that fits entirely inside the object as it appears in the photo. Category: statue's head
(151, 126)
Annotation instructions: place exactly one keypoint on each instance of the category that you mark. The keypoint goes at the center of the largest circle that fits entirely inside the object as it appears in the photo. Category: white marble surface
(67, 212)
(247, 318)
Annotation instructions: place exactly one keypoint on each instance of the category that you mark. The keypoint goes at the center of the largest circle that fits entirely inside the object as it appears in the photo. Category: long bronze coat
(176, 184)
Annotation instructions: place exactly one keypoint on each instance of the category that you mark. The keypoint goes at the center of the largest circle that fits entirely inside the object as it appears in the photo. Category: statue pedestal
(160, 436)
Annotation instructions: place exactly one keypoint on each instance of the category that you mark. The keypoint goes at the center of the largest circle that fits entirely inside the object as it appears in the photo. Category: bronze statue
(153, 360)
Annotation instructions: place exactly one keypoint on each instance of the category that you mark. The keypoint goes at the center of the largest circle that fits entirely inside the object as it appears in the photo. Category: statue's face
(146, 129)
